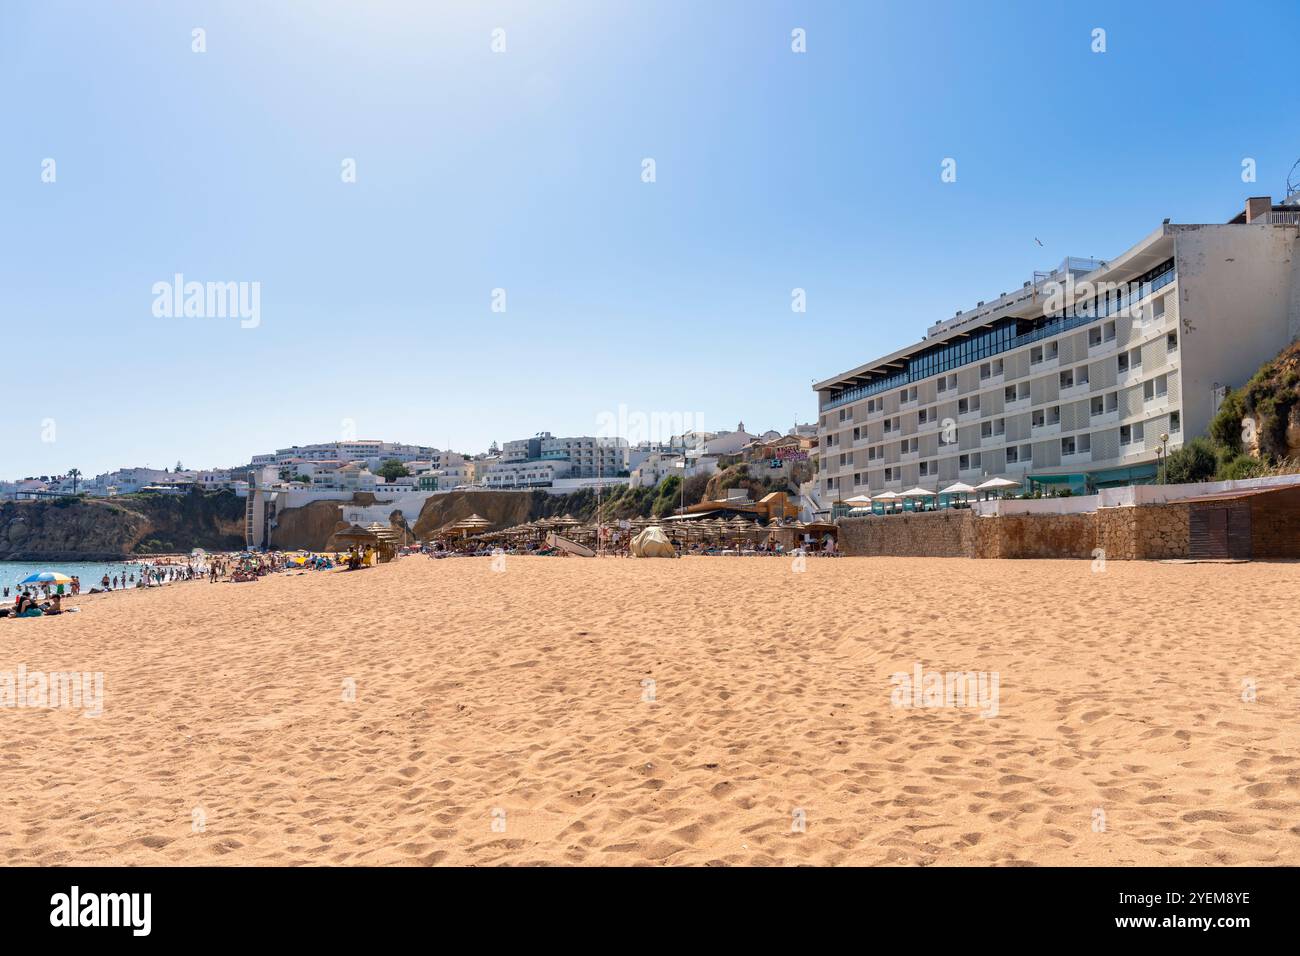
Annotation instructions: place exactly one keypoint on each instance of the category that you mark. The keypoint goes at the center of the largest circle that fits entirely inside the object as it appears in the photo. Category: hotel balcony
(1105, 418)
(1019, 405)
(1045, 430)
(992, 380)
(971, 416)
(1078, 458)
(1079, 390)
(1103, 348)
(1132, 377)
(1044, 365)
(909, 456)
(993, 441)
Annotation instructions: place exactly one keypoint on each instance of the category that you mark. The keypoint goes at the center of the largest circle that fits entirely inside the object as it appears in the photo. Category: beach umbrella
(46, 577)
(918, 493)
(957, 488)
(888, 497)
(858, 501)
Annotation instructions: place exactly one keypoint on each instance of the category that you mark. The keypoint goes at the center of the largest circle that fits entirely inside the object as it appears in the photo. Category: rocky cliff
(90, 529)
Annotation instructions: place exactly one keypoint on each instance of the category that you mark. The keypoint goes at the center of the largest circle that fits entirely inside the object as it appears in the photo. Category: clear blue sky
(522, 171)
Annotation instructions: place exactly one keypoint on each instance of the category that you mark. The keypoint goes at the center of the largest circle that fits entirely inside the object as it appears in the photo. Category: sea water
(90, 572)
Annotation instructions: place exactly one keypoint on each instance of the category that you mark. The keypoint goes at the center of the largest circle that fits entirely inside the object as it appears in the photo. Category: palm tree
(74, 474)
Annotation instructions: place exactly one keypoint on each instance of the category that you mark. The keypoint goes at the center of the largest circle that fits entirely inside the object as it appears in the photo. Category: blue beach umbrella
(46, 577)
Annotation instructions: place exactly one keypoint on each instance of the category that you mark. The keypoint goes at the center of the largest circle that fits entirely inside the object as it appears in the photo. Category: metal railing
(1049, 329)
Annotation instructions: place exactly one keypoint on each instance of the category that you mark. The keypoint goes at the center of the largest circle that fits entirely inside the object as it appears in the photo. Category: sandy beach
(506, 717)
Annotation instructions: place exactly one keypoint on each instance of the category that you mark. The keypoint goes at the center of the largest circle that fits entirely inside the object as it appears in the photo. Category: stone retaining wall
(929, 534)
(1124, 534)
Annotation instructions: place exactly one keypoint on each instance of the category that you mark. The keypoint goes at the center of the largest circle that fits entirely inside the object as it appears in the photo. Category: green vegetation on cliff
(77, 527)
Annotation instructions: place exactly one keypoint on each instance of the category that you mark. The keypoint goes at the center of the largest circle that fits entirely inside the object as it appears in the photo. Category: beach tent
(651, 542)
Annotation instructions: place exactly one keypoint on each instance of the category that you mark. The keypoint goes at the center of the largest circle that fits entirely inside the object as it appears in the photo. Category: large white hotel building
(1085, 396)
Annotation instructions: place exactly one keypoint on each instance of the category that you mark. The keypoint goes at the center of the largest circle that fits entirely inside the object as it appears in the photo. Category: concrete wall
(1236, 305)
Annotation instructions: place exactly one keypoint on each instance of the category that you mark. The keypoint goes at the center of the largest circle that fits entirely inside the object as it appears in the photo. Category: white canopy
(858, 501)
(918, 493)
(994, 483)
(886, 496)
(960, 488)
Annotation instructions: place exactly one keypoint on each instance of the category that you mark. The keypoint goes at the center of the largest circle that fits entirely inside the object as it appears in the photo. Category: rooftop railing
(1047, 330)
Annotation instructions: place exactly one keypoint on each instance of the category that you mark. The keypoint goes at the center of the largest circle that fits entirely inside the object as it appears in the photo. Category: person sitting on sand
(54, 605)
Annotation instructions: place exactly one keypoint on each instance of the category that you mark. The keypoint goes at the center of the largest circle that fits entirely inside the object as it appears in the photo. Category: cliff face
(108, 529)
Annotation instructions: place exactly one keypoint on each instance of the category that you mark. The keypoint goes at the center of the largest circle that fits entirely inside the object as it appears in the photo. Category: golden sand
(504, 718)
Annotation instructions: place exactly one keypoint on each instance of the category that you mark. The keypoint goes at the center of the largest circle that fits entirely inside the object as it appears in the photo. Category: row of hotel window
(1020, 454)
(1069, 378)
(1052, 416)
(1152, 389)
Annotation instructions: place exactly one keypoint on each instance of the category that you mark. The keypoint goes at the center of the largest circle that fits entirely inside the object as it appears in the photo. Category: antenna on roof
(1293, 180)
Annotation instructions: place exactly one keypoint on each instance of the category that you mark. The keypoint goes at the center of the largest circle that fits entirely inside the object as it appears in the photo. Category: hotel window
(1067, 378)
(965, 405)
(986, 371)
(1026, 452)
(1054, 415)
(1156, 387)
(1067, 446)
(1121, 363)
(857, 478)
(967, 462)
(1171, 342)
(1175, 421)
(1083, 443)
(1013, 454)
(889, 474)
(1038, 419)
(857, 433)
(1108, 331)
(1094, 337)
(1036, 355)
(1126, 434)
(929, 468)
(1081, 375)
(923, 416)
